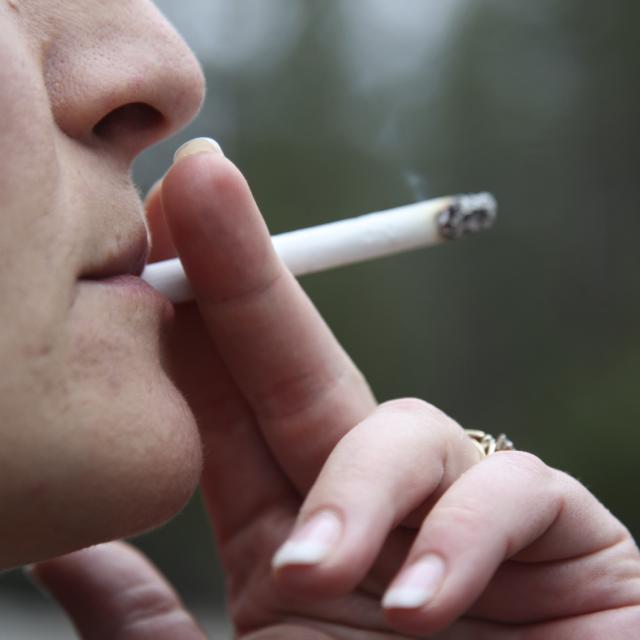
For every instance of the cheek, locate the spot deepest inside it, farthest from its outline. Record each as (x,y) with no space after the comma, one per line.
(32,281)
(28,166)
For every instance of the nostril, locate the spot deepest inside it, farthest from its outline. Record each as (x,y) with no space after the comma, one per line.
(136,124)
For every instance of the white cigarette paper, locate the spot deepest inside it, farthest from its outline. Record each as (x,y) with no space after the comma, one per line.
(365,237)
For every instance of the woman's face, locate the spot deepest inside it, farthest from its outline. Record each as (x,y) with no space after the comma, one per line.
(95,441)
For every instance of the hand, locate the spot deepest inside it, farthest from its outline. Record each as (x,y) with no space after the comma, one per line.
(501,548)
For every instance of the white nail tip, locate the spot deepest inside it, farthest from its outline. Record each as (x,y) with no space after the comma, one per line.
(312,543)
(416,585)
(197,145)
(304,553)
(405,598)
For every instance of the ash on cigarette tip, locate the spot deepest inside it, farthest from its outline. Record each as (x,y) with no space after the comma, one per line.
(468,214)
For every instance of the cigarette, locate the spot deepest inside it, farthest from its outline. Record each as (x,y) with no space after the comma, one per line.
(365,237)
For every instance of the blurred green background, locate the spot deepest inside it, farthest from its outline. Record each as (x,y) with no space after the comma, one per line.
(333,108)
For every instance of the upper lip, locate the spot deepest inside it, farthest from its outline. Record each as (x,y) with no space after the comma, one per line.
(128,259)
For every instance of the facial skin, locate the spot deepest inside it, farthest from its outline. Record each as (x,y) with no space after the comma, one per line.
(95,441)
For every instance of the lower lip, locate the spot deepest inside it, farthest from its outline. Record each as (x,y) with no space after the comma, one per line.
(133,287)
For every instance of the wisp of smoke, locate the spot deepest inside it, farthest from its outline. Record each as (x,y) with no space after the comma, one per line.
(417,184)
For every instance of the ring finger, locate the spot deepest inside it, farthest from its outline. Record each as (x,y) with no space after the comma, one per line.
(509,507)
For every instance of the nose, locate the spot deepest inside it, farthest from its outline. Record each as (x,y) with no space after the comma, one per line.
(124,78)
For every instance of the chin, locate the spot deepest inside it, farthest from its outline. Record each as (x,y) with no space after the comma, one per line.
(89,488)
(102,456)
(150,465)
(147,466)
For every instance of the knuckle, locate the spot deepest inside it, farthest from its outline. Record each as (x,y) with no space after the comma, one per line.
(525,463)
(527,469)
(406,405)
(463,516)
(143,600)
(418,409)
(150,604)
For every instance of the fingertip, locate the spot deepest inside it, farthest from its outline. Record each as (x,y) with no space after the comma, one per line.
(314,582)
(196,146)
(108,553)
(408,602)
(311,543)
(417,584)
(419,621)
(202,178)
(306,565)
(328,554)
(222,239)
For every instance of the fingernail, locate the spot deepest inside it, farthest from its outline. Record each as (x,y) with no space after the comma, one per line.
(311,543)
(416,585)
(197,145)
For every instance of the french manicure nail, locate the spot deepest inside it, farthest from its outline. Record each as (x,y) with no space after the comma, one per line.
(416,585)
(311,543)
(197,145)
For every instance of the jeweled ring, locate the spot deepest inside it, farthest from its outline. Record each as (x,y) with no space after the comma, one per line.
(487,444)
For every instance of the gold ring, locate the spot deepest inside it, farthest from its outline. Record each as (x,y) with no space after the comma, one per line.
(487,444)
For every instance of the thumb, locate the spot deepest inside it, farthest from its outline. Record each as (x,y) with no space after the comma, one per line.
(112,592)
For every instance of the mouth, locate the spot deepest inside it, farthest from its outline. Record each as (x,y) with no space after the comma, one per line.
(127,259)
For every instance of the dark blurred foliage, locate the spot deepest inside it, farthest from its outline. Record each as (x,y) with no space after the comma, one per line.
(533,328)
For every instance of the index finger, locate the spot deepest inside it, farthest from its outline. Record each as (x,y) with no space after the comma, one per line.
(304,389)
